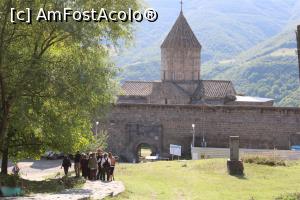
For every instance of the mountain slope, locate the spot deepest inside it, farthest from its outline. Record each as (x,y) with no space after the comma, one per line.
(224,27)
(267,70)
(250,42)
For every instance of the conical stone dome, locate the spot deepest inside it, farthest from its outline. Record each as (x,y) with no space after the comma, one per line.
(181,35)
(180,53)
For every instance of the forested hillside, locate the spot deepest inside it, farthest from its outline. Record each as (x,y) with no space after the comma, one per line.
(250,42)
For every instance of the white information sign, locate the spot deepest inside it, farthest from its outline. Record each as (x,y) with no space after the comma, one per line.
(175,150)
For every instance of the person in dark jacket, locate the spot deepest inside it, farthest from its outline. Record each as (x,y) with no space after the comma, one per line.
(66,164)
(77,163)
(89,155)
(93,165)
(84,166)
(105,163)
(100,174)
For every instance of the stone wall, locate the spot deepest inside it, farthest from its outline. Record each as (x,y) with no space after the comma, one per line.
(161,125)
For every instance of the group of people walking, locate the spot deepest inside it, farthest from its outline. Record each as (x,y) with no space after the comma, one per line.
(93,166)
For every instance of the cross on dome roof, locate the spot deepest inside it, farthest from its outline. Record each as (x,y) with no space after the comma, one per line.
(181,5)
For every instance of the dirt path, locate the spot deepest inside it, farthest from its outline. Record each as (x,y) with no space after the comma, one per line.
(40,170)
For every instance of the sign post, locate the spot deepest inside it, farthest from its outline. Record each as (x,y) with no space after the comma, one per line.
(175,150)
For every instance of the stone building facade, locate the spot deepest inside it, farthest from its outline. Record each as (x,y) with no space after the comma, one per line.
(160,113)
(131,125)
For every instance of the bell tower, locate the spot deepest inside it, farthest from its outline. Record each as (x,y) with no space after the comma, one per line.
(180,53)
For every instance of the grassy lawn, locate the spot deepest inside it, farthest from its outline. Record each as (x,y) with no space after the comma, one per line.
(207,180)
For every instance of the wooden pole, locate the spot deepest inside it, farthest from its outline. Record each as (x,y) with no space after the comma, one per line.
(298,46)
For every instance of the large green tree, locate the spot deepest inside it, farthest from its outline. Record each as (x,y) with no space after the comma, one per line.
(55,76)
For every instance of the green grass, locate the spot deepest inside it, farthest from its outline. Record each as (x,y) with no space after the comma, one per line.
(207,180)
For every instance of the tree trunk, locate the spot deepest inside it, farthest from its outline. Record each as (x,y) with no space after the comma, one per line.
(4,103)
(4,164)
(5,109)
(4,141)
(3,129)
(4,126)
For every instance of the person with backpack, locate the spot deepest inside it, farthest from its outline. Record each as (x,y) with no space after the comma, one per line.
(106,166)
(66,164)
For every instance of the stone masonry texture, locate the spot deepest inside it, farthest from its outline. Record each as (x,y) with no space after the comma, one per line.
(130,125)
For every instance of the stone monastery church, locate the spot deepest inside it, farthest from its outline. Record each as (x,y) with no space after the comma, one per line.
(181,81)
(159,113)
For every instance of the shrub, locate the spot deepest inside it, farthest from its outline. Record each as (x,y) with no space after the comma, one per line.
(10,180)
(71,182)
(45,186)
(264,160)
(294,196)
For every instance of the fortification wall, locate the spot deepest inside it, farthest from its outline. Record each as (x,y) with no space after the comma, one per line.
(161,125)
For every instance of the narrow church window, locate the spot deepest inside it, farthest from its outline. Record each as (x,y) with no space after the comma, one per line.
(173,75)
(164,75)
(166,101)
